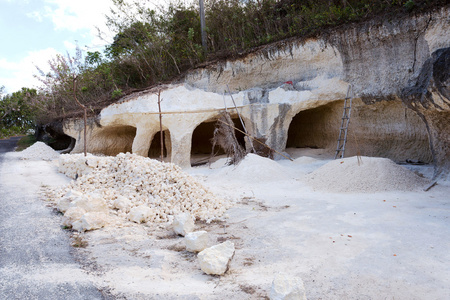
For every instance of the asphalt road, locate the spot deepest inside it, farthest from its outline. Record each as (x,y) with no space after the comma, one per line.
(36,259)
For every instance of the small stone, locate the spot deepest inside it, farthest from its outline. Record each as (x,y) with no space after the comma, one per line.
(90,221)
(183,224)
(286,287)
(140,214)
(196,241)
(216,259)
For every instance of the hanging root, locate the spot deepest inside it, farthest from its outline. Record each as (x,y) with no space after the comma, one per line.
(225,138)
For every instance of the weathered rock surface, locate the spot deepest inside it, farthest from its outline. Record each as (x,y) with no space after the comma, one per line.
(398,69)
(90,221)
(429,97)
(91,203)
(183,224)
(285,287)
(216,259)
(140,214)
(71,215)
(63,204)
(196,241)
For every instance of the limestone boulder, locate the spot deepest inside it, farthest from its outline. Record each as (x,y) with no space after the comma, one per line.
(91,203)
(64,203)
(196,241)
(216,259)
(286,287)
(90,221)
(183,224)
(71,215)
(140,214)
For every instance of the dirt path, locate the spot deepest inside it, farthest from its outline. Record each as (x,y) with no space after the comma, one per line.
(36,259)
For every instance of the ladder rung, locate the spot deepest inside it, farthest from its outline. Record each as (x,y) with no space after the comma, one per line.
(344,123)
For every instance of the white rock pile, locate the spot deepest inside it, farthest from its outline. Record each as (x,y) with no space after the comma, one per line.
(39,151)
(370,175)
(133,188)
(75,165)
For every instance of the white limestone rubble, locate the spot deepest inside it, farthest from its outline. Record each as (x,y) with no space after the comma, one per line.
(196,241)
(183,224)
(216,259)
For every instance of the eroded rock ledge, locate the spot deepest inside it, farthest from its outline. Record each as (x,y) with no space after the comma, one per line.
(291,94)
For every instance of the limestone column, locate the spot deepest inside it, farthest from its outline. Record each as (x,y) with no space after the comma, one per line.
(181,127)
(168,143)
(143,139)
(181,141)
(270,123)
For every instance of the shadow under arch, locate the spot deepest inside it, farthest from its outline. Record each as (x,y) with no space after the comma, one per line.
(155,147)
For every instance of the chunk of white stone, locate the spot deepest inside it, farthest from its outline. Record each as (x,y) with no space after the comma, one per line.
(71,215)
(183,224)
(286,287)
(91,203)
(122,203)
(90,221)
(196,241)
(216,259)
(140,214)
(64,203)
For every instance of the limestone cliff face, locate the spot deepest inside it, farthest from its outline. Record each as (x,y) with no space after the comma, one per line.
(290,94)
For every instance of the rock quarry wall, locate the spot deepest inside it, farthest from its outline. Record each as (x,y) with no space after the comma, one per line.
(399,71)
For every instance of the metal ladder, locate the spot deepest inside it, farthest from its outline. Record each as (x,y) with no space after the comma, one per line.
(342,140)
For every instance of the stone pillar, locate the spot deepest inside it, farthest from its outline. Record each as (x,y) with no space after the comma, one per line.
(269,123)
(168,143)
(181,141)
(181,128)
(143,139)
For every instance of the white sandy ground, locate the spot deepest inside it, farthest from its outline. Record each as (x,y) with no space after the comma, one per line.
(384,245)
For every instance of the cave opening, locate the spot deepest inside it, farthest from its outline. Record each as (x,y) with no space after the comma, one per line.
(155,147)
(383,129)
(201,149)
(314,128)
(113,140)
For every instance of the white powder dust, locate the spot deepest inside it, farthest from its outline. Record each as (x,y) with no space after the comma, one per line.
(372,175)
(39,150)
(256,169)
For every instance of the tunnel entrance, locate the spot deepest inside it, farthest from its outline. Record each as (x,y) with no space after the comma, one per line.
(201,148)
(114,140)
(383,129)
(314,128)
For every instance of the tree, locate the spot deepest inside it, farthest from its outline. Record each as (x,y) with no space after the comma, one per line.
(16,112)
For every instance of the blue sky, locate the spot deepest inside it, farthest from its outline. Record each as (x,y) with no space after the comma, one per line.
(34,31)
